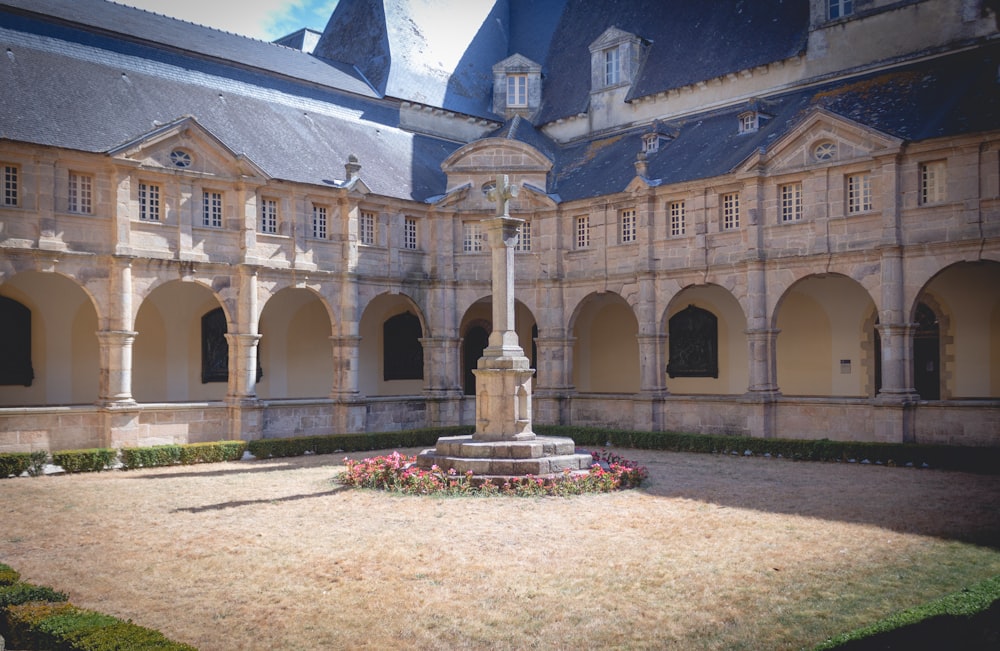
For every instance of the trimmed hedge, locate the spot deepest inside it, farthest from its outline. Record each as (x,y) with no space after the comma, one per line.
(297,446)
(190,453)
(975,459)
(16,463)
(38,617)
(91,460)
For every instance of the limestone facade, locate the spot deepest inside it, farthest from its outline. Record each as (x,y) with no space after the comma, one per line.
(815,262)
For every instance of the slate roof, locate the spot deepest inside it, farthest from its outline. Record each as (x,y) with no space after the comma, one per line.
(72,87)
(80,86)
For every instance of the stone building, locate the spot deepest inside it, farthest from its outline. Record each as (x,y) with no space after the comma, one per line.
(777,218)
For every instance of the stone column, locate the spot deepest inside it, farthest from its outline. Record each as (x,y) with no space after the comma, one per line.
(116,367)
(346,355)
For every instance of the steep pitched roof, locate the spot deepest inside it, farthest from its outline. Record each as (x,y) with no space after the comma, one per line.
(71,86)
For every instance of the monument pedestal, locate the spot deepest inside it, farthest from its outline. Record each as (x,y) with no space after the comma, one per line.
(504,445)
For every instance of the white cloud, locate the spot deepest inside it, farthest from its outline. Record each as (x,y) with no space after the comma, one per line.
(261,19)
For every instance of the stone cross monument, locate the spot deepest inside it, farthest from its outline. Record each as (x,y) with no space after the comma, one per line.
(504,444)
(503,374)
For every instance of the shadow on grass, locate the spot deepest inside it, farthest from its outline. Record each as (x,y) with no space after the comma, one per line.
(274,500)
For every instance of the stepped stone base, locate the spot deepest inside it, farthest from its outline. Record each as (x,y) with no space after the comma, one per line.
(542,455)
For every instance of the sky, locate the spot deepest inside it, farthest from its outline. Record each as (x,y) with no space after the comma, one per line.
(261,19)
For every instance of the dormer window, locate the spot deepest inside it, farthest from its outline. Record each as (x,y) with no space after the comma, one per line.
(651,143)
(612,67)
(614,59)
(517,90)
(839,8)
(517,87)
(749,121)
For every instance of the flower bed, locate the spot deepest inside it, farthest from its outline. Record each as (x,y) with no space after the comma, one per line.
(399,473)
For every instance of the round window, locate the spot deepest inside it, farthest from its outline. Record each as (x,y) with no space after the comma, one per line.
(180,158)
(825,150)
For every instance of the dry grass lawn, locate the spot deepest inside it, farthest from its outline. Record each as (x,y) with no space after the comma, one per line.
(714,552)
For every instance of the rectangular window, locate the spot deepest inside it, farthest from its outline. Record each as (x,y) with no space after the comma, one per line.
(611,67)
(627,228)
(149,202)
(932,182)
(472,237)
(748,122)
(582,228)
(319,222)
(81,193)
(409,233)
(524,237)
(791,202)
(676,210)
(211,209)
(268,215)
(10,185)
(839,8)
(859,193)
(731,211)
(366,228)
(517,90)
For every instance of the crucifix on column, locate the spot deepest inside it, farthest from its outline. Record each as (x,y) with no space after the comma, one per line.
(503,374)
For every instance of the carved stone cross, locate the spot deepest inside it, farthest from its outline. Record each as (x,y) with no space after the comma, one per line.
(502,193)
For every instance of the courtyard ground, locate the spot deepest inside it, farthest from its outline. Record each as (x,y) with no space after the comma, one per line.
(713,552)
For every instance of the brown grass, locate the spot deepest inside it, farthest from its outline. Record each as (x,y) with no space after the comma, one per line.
(713,553)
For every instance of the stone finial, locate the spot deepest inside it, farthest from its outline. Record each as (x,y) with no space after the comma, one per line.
(352,167)
(640,164)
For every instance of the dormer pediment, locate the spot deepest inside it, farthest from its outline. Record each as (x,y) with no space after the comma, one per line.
(184,145)
(612,36)
(822,138)
(517,63)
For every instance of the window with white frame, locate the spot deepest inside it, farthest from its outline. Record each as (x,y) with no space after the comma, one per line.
(626,226)
(81,193)
(472,237)
(676,211)
(524,237)
(11,184)
(319,222)
(517,89)
(612,66)
(149,202)
(582,229)
(791,201)
(859,193)
(409,233)
(366,228)
(211,209)
(839,8)
(268,215)
(932,182)
(730,211)
(748,122)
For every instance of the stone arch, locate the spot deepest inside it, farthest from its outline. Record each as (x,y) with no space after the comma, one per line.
(372,380)
(167,353)
(295,354)
(65,352)
(825,345)
(605,348)
(732,374)
(965,299)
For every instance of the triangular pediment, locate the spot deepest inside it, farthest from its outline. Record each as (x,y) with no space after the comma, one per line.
(612,36)
(821,138)
(184,145)
(517,63)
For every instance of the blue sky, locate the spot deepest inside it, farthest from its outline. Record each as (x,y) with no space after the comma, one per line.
(262,19)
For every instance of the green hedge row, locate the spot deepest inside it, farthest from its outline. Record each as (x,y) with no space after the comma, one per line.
(38,617)
(16,463)
(98,459)
(969,618)
(976,459)
(297,446)
(191,453)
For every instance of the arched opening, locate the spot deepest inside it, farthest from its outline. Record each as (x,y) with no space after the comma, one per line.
(927,354)
(706,345)
(295,352)
(391,352)
(606,348)
(474,342)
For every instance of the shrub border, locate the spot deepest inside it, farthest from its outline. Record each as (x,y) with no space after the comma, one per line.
(99,459)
